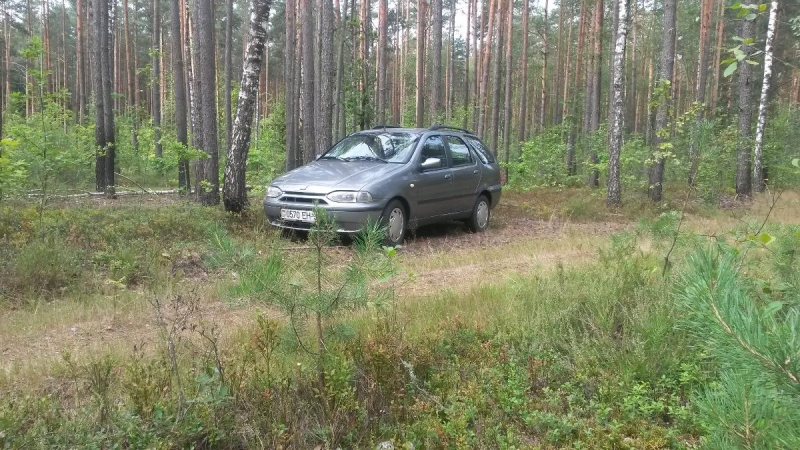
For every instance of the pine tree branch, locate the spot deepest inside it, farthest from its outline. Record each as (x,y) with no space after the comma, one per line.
(749,349)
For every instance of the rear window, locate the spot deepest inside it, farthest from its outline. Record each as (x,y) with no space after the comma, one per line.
(483,153)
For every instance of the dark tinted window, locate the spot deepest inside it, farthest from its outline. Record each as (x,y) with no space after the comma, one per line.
(459,151)
(434,148)
(483,153)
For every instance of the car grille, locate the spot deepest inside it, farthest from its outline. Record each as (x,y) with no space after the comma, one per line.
(303,199)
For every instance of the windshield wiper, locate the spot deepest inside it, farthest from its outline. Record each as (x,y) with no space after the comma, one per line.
(364,158)
(334,157)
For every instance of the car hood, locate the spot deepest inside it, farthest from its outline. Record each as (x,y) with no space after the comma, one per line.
(325,176)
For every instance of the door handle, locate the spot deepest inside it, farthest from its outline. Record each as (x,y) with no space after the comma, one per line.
(476,171)
(448,176)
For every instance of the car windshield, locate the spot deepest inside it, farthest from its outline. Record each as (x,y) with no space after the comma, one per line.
(382,147)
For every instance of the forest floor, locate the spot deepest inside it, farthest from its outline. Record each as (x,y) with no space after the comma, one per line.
(530,233)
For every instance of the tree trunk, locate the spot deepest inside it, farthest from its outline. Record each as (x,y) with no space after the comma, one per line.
(545,92)
(420,108)
(612,44)
(435,78)
(98,9)
(484,85)
(665,72)
(509,67)
(594,110)
(46,39)
(467,82)
(156,89)
(700,89)
(448,96)
(558,79)
(758,164)
(207,102)
(290,81)
(326,77)
(383,29)
(234,192)
(180,92)
(228,73)
(523,96)
(572,168)
(80,65)
(495,143)
(106,63)
(614,195)
(129,56)
(307,95)
(717,55)
(104,112)
(744,187)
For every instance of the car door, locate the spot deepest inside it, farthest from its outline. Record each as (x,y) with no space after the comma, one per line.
(466,173)
(434,187)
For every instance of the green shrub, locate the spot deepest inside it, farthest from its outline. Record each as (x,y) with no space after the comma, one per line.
(45,268)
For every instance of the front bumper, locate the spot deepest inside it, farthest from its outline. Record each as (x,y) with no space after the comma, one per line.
(349,219)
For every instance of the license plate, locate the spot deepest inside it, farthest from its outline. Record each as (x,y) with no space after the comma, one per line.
(298,215)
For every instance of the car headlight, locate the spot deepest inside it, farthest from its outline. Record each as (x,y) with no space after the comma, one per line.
(350,197)
(274,192)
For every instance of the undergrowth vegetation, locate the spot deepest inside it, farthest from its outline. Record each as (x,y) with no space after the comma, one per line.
(625,351)
(542,161)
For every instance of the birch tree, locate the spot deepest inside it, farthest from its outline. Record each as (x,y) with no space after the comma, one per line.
(234,193)
(758,163)
(614,194)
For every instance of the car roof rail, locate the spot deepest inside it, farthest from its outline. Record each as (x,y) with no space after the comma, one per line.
(383,127)
(447,127)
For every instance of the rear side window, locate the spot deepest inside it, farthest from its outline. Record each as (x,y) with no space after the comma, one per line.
(459,151)
(483,153)
(434,148)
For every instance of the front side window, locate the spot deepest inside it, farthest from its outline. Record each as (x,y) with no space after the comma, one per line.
(459,151)
(434,148)
(386,147)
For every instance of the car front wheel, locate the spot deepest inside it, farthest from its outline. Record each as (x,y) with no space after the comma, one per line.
(394,221)
(480,215)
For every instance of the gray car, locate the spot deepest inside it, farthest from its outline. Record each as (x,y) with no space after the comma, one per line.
(403,177)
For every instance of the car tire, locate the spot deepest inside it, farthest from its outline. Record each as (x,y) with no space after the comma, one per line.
(395,220)
(481,213)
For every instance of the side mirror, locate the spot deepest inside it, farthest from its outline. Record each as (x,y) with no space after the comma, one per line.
(431,163)
(319,155)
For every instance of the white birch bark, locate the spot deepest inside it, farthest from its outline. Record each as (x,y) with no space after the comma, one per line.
(234,192)
(758,163)
(614,195)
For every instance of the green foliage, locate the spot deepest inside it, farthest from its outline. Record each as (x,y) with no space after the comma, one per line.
(753,339)
(542,162)
(267,156)
(44,268)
